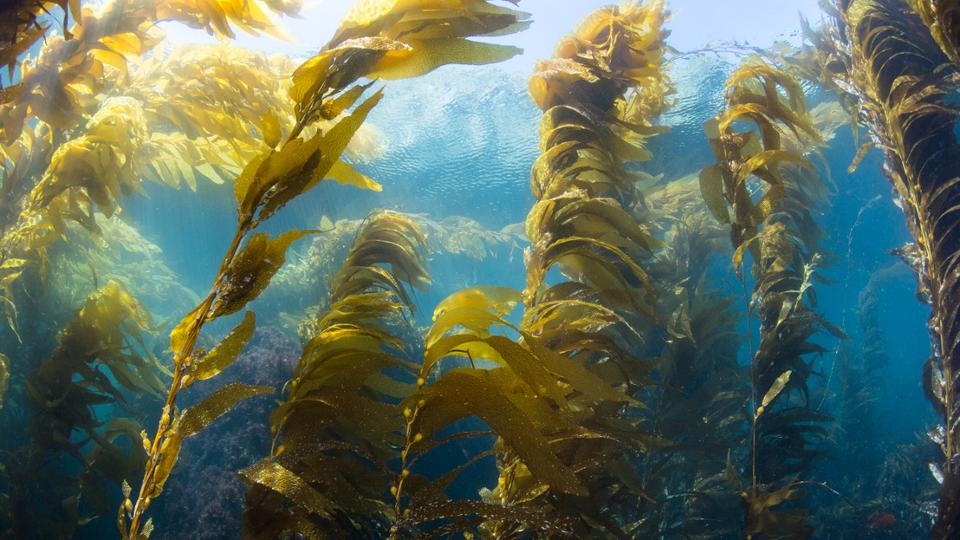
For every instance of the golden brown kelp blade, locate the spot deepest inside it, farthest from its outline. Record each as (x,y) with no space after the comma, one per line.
(338,433)
(528,396)
(97,362)
(942,17)
(884,57)
(776,226)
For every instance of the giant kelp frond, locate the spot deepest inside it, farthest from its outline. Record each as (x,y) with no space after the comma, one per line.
(337,434)
(98,361)
(396,39)
(697,401)
(51,87)
(768,192)
(901,79)
(534,400)
(942,17)
(600,96)
(22,25)
(291,164)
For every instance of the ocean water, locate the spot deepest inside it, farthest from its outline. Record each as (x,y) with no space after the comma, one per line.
(453,150)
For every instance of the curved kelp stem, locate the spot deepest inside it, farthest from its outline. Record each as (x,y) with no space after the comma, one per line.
(883,58)
(776,227)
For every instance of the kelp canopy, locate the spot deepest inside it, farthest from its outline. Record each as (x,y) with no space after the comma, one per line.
(671,340)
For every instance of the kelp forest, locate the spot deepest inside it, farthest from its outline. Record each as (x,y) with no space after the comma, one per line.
(392,289)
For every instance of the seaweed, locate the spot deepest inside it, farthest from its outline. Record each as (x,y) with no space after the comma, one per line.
(774,223)
(98,361)
(889,64)
(323,88)
(94,143)
(337,433)
(600,95)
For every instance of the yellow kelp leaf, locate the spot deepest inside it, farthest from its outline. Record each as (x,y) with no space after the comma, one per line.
(344,173)
(270,129)
(277,478)
(575,373)
(770,160)
(501,300)
(461,393)
(295,172)
(4,377)
(251,270)
(226,351)
(179,334)
(337,68)
(711,186)
(429,55)
(126,43)
(170,445)
(197,418)
(774,390)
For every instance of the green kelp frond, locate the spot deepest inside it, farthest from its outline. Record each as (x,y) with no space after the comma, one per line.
(884,57)
(337,435)
(98,361)
(768,193)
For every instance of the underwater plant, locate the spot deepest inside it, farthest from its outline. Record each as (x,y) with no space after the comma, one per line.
(881,54)
(95,142)
(777,228)
(366,45)
(337,435)
(600,96)
(99,360)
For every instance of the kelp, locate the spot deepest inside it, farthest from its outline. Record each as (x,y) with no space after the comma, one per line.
(336,436)
(600,96)
(698,391)
(942,17)
(95,141)
(886,61)
(774,223)
(99,361)
(291,165)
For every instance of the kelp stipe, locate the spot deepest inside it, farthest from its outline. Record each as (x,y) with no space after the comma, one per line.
(884,58)
(777,228)
(374,40)
(600,96)
(339,433)
(98,360)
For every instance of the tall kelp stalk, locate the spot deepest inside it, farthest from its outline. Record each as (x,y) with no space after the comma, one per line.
(337,436)
(767,190)
(77,135)
(697,399)
(881,54)
(98,360)
(375,40)
(600,95)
